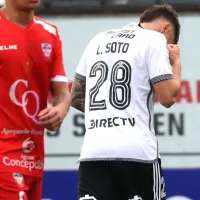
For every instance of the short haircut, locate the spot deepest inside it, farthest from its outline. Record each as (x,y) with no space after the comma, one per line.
(166,11)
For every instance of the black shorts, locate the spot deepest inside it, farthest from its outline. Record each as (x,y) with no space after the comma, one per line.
(120,180)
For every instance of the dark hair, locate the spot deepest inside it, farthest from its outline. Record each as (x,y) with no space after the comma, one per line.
(166,11)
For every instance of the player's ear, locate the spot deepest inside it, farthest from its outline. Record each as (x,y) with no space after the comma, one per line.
(165,28)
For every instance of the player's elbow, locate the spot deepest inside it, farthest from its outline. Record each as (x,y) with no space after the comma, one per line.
(167,102)
(166,92)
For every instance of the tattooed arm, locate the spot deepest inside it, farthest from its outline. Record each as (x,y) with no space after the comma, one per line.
(78,94)
(61,95)
(52,118)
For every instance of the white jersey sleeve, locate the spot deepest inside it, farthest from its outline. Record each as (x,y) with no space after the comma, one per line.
(158,62)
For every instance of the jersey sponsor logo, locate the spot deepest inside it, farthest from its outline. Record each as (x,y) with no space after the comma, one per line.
(25,161)
(87,197)
(30,165)
(47,49)
(22,131)
(111,122)
(24,101)
(19,178)
(28,145)
(8,47)
(128,34)
(26,157)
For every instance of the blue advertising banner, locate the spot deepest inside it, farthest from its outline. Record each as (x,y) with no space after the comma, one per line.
(181,184)
(60,185)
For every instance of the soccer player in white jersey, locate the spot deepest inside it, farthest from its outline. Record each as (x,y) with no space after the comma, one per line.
(114,86)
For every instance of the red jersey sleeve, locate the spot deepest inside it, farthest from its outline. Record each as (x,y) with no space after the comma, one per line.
(58,70)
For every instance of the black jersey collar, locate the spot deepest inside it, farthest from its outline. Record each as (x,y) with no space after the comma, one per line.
(140,25)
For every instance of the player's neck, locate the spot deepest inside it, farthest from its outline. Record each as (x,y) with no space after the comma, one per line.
(18,17)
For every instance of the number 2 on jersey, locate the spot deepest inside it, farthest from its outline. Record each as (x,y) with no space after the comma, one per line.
(120,80)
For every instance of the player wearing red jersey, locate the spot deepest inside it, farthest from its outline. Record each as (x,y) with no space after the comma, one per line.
(31,65)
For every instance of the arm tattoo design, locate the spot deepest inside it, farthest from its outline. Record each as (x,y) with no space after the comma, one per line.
(78,95)
(61,98)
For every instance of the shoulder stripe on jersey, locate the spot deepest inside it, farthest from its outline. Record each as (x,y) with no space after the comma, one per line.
(161,78)
(59,78)
(81,77)
(46,26)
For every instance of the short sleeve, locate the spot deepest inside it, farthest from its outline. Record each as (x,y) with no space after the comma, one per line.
(158,62)
(58,70)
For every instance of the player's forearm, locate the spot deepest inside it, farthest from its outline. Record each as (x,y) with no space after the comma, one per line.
(78,95)
(61,95)
(62,99)
(176,70)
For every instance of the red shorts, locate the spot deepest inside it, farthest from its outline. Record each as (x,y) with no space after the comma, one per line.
(14,186)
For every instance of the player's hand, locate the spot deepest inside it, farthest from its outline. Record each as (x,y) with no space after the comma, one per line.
(174,53)
(52,118)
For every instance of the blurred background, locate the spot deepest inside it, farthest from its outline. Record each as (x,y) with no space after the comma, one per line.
(177,128)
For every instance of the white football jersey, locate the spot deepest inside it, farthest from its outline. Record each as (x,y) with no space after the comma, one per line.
(119,67)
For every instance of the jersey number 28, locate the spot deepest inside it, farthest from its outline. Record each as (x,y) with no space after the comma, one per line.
(120,79)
